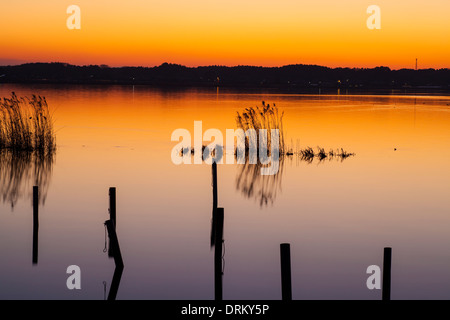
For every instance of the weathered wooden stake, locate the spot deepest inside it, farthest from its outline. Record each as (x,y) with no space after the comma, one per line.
(114,243)
(112,205)
(285,256)
(219,217)
(214,208)
(214,181)
(112,217)
(387,258)
(35,223)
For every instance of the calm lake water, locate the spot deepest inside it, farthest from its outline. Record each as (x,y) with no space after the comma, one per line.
(337,215)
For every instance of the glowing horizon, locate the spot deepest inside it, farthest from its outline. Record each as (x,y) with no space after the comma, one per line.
(204,33)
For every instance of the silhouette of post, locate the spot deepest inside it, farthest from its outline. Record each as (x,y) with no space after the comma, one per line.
(214,181)
(219,217)
(285,256)
(35,223)
(112,217)
(115,283)
(112,205)
(114,243)
(214,208)
(386,290)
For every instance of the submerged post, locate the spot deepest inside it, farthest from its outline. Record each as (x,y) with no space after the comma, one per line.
(387,258)
(285,256)
(35,223)
(112,205)
(114,243)
(219,217)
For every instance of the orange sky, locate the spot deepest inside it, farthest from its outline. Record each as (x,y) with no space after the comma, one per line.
(232,32)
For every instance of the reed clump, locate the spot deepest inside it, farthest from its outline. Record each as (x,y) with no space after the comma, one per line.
(309,155)
(265,116)
(26,125)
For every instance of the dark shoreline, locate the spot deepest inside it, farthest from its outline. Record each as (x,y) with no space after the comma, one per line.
(302,79)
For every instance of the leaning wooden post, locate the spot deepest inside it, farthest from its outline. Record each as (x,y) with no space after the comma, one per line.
(218,292)
(112,205)
(285,256)
(35,223)
(387,258)
(114,243)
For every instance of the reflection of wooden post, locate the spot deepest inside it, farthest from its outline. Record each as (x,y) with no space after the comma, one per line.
(35,223)
(219,217)
(115,283)
(114,243)
(112,205)
(285,256)
(387,257)
(214,183)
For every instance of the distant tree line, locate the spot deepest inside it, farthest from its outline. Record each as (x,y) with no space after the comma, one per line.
(288,77)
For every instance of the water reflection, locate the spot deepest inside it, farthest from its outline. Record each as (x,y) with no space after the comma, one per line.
(116,254)
(264,188)
(19,171)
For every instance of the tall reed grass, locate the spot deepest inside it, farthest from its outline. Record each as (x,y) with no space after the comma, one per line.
(26,125)
(265,116)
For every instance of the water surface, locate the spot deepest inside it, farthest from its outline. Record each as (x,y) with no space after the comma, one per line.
(337,215)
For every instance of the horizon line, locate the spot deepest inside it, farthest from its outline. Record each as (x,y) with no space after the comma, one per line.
(206,66)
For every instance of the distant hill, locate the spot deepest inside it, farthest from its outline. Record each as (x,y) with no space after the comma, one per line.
(288,77)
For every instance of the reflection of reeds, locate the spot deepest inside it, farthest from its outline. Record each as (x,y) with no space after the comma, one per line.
(252,184)
(26,124)
(19,171)
(249,179)
(27,147)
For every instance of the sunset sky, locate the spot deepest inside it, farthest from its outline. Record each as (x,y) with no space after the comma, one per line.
(233,32)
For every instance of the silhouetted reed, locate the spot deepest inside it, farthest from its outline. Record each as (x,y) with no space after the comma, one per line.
(27,147)
(26,124)
(262,117)
(309,155)
(249,180)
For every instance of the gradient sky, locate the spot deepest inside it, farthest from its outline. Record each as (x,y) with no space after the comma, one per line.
(233,32)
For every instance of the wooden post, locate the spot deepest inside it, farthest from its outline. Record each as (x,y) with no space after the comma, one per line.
(35,223)
(214,182)
(112,205)
(218,292)
(114,243)
(214,208)
(387,258)
(112,217)
(285,257)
